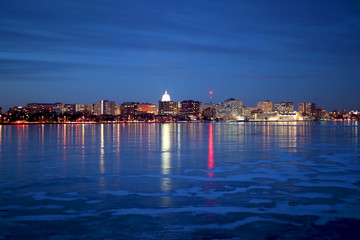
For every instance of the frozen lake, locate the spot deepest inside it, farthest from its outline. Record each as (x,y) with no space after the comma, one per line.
(291,180)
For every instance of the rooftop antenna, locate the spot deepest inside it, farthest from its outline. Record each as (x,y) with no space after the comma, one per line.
(210,94)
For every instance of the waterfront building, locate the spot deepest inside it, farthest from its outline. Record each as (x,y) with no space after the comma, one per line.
(117,109)
(79,107)
(265,106)
(273,116)
(33,108)
(104,107)
(69,108)
(230,109)
(190,108)
(109,108)
(128,110)
(97,108)
(208,111)
(206,105)
(284,107)
(320,113)
(146,108)
(59,109)
(168,107)
(86,109)
(290,116)
(249,112)
(307,108)
(89,109)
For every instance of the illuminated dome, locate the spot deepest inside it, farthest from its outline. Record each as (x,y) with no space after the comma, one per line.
(166,97)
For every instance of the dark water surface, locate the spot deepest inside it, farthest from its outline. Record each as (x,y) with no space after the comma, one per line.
(293,180)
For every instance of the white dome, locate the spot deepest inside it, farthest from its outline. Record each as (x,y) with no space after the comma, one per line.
(166,97)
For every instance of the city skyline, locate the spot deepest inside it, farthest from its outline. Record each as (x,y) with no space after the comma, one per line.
(209,101)
(84,51)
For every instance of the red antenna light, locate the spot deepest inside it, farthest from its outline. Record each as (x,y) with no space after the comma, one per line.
(210,92)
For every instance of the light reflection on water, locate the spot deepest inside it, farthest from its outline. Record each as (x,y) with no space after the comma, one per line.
(165,148)
(192,180)
(211,151)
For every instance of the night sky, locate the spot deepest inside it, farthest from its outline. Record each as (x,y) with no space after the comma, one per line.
(85,51)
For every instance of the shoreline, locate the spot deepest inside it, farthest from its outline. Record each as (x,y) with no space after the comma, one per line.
(150,122)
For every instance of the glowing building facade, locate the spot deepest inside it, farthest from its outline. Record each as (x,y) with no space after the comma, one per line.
(168,107)
(190,107)
(230,109)
(284,107)
(307,108)
(265,106)
(104,107)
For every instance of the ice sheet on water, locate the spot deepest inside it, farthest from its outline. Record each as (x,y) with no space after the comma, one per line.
(116,192)
(230,178)
(43,218)
(329,184)
(53,167)
(214,170)
(260,176)
(44,196)
(259,201)
(229,226)
(94,201)
(187,192)
(72,193)
(307,194)
(325,212)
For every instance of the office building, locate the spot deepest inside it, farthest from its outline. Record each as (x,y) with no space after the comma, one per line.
(168,107)
(307,108)
(104,107)
(146,108)
(128,110)
(284,107)
(230,109)
(190,107)
(265,106)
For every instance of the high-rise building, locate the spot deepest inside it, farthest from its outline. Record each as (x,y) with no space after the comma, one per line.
(265,106)
(230,109)
(89,109)
(86,109)
(104,107)
(284,107)
(307,108)
(168,107)
(128,110)
(118,109)
(190,107)
(79,107)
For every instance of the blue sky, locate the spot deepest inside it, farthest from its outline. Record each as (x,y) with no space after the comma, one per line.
(85,51)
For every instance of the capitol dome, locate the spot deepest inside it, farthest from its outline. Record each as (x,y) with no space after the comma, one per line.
(166,97)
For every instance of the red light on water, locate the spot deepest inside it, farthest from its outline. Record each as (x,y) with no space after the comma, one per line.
(211,152)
